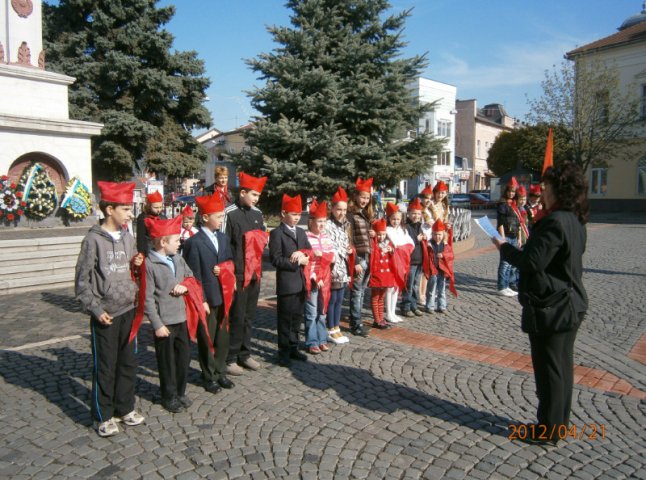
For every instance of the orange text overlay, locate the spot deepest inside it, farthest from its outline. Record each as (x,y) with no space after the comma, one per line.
(587,431)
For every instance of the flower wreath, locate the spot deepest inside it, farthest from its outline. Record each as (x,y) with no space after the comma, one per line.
(39,192)
(11,203)
(77,203)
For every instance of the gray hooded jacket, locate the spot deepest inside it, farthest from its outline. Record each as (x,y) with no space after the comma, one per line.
(103,281)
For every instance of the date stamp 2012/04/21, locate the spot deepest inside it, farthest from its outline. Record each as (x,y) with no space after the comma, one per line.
(587,431)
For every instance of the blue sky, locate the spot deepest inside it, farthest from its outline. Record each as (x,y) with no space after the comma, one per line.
(495,51)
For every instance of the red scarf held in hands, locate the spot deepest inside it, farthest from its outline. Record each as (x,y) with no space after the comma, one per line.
(228,285)
(195,312)
(401,264)
(325,274)
(445,266)
(140,272)
(254,244)
(352,258)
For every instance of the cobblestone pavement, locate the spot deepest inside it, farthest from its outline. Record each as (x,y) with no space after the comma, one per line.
(430,399)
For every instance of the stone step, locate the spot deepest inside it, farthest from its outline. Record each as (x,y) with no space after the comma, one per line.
(15,255)
(40,270)
(39,244)
(17,285)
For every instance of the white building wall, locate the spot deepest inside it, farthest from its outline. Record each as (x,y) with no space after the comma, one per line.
(20,30)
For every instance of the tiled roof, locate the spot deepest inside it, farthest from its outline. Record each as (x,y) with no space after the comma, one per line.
(636,33)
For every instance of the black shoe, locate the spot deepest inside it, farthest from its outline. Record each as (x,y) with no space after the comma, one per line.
(173,405)
(296,355)
(284,360)
(224,382)
(185,401)
(212,387)
(381,326)
(358,331)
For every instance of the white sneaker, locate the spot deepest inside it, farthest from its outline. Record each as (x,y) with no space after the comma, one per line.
(397,319)
(107,428)
(506,292)
(132,419)
(343,339)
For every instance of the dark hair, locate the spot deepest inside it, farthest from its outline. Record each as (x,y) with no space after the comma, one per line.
(505,190)
(103,205)
(570,188)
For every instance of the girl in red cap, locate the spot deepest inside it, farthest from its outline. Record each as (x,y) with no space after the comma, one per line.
(188,226)
(316,305)
(360,217)
(519,210)
(441,268)
(381,273)
(403,244)
(338,228)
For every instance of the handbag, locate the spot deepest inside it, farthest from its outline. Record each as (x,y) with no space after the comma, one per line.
(552,314)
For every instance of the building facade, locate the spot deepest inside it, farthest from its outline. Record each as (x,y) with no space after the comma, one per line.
(475,132)
(221,146)
(440,121)
(620,183)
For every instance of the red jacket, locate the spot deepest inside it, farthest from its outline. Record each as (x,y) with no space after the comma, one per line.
(445,265)
(381,266)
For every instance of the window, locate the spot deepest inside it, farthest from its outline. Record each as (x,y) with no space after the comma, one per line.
(603,106)
(642,106)
(598,181)
(478,148)
(445,158)
(428,125)
(443,128)
(641,177)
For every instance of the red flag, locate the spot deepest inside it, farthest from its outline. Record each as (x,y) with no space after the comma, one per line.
(141,296)
(227,284)
(254,244)
(195,312)
(401,264)
(549,152)
(307,270)
(352,258)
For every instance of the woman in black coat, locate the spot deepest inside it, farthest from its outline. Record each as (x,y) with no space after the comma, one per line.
(551,268)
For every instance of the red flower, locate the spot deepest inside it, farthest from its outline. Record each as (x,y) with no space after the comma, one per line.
(19,212)
(13,186)
(1,212)
(3,178)
(10,217)
(19,194)
(23,204)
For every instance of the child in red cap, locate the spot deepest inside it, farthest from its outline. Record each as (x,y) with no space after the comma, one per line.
(166,310)
(105,288)
(403,245)
(441,268)
(153,208)
(188,226)
(289,251)
(381,272)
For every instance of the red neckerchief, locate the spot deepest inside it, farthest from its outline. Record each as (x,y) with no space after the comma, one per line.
(195,312)
(254,244)
(228,285)
(140,272)
(224,193)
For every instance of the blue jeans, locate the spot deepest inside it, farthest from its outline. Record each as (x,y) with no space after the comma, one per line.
(436,292)
(507,275)
(315,330)
(335,306)
(410,296)
(359,284)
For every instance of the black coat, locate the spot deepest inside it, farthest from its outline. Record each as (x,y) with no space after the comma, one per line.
(289,276)
(552,258)
(144,243)
(239,220)
(200,255)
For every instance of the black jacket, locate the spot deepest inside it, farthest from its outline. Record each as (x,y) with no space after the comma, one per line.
(552,258)
(414,229)
(289,276)
(200,255)
(239,220)
(144,243)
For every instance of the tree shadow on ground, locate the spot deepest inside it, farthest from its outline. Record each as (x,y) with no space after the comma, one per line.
(360,387)
(612,272)
(64,301)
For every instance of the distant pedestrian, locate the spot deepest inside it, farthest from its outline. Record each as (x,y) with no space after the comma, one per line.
(509,229)
(153,208)
(104,286)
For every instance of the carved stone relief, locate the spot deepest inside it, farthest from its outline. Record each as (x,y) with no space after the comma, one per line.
(24,54)
(41,59)
(22,7)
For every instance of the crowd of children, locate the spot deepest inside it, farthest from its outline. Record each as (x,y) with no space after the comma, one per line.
(203,283)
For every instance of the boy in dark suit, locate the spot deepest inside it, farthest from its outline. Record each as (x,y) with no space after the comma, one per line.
(245,228)
(204,252)
(286,250)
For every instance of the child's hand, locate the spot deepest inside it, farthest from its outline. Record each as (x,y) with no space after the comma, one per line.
(179,290)
(216,271)
(372,233)
(421,237)
(358,269)
(318,253)
(304,260)
(296,257)
(439,255)
(320,284)
(207,309)
(162,332)
(138,259)
(105,318)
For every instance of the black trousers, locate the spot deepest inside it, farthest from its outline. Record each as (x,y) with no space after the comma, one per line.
(114,367)
(553,362)
(173,357)
(213,365)
(290,318)
(242,316)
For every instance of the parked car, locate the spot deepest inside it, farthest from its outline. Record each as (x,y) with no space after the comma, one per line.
(459,200)
(480,200)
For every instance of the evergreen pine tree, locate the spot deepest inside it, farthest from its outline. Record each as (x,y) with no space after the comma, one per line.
(336,103)
(127,78)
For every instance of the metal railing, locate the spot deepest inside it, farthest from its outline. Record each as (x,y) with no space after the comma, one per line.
(460,218)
